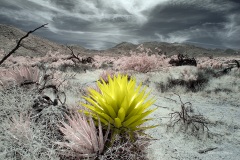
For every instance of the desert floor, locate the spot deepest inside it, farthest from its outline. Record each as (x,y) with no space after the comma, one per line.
(222,109)
(217,106)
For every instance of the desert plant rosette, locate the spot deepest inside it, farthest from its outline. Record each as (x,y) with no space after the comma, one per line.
(121,103)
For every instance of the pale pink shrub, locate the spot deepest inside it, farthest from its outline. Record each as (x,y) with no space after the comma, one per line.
(82,136)
(99,60)
(104,75)
(141,62)
(142,49)
(19,75)
(53,57)
(215,63)
(16,61)
(60,63)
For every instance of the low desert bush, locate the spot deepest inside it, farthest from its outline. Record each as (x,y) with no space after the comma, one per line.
(103,61)
(104,75)
(80,68)
(190,78)
(141,62)
(226,83)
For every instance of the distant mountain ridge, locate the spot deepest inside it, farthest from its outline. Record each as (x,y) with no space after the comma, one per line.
(174,48)
(37,46)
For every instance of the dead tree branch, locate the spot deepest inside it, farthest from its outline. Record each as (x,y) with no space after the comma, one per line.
(19,43)
(75,58)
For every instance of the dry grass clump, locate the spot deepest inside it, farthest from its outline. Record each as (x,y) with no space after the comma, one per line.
(226,83)
(19,127)
(15,100)
(124,149)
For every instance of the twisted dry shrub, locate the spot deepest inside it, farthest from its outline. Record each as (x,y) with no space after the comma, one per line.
(120,102)
(141,62)
(194,123)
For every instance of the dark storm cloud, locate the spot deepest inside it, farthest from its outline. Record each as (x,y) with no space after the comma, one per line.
(181,23)
(100,24)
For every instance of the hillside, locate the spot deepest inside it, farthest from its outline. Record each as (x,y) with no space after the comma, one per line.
(37,46)
(174,48)
(32,45)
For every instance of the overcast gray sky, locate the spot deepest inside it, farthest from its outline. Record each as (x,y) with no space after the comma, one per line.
(100,24)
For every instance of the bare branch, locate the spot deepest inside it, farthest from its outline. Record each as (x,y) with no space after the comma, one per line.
(19,43)
(73,56)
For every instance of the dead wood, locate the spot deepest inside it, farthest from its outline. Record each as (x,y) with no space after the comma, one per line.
(186,118)
(183,60)
(76,59)
(206,150)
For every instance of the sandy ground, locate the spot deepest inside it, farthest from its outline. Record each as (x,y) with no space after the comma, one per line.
(222,110)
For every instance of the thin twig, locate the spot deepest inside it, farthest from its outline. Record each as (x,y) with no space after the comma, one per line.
(207,150)
(160,106)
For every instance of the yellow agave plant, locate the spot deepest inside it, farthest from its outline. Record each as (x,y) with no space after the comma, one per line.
(120,102)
